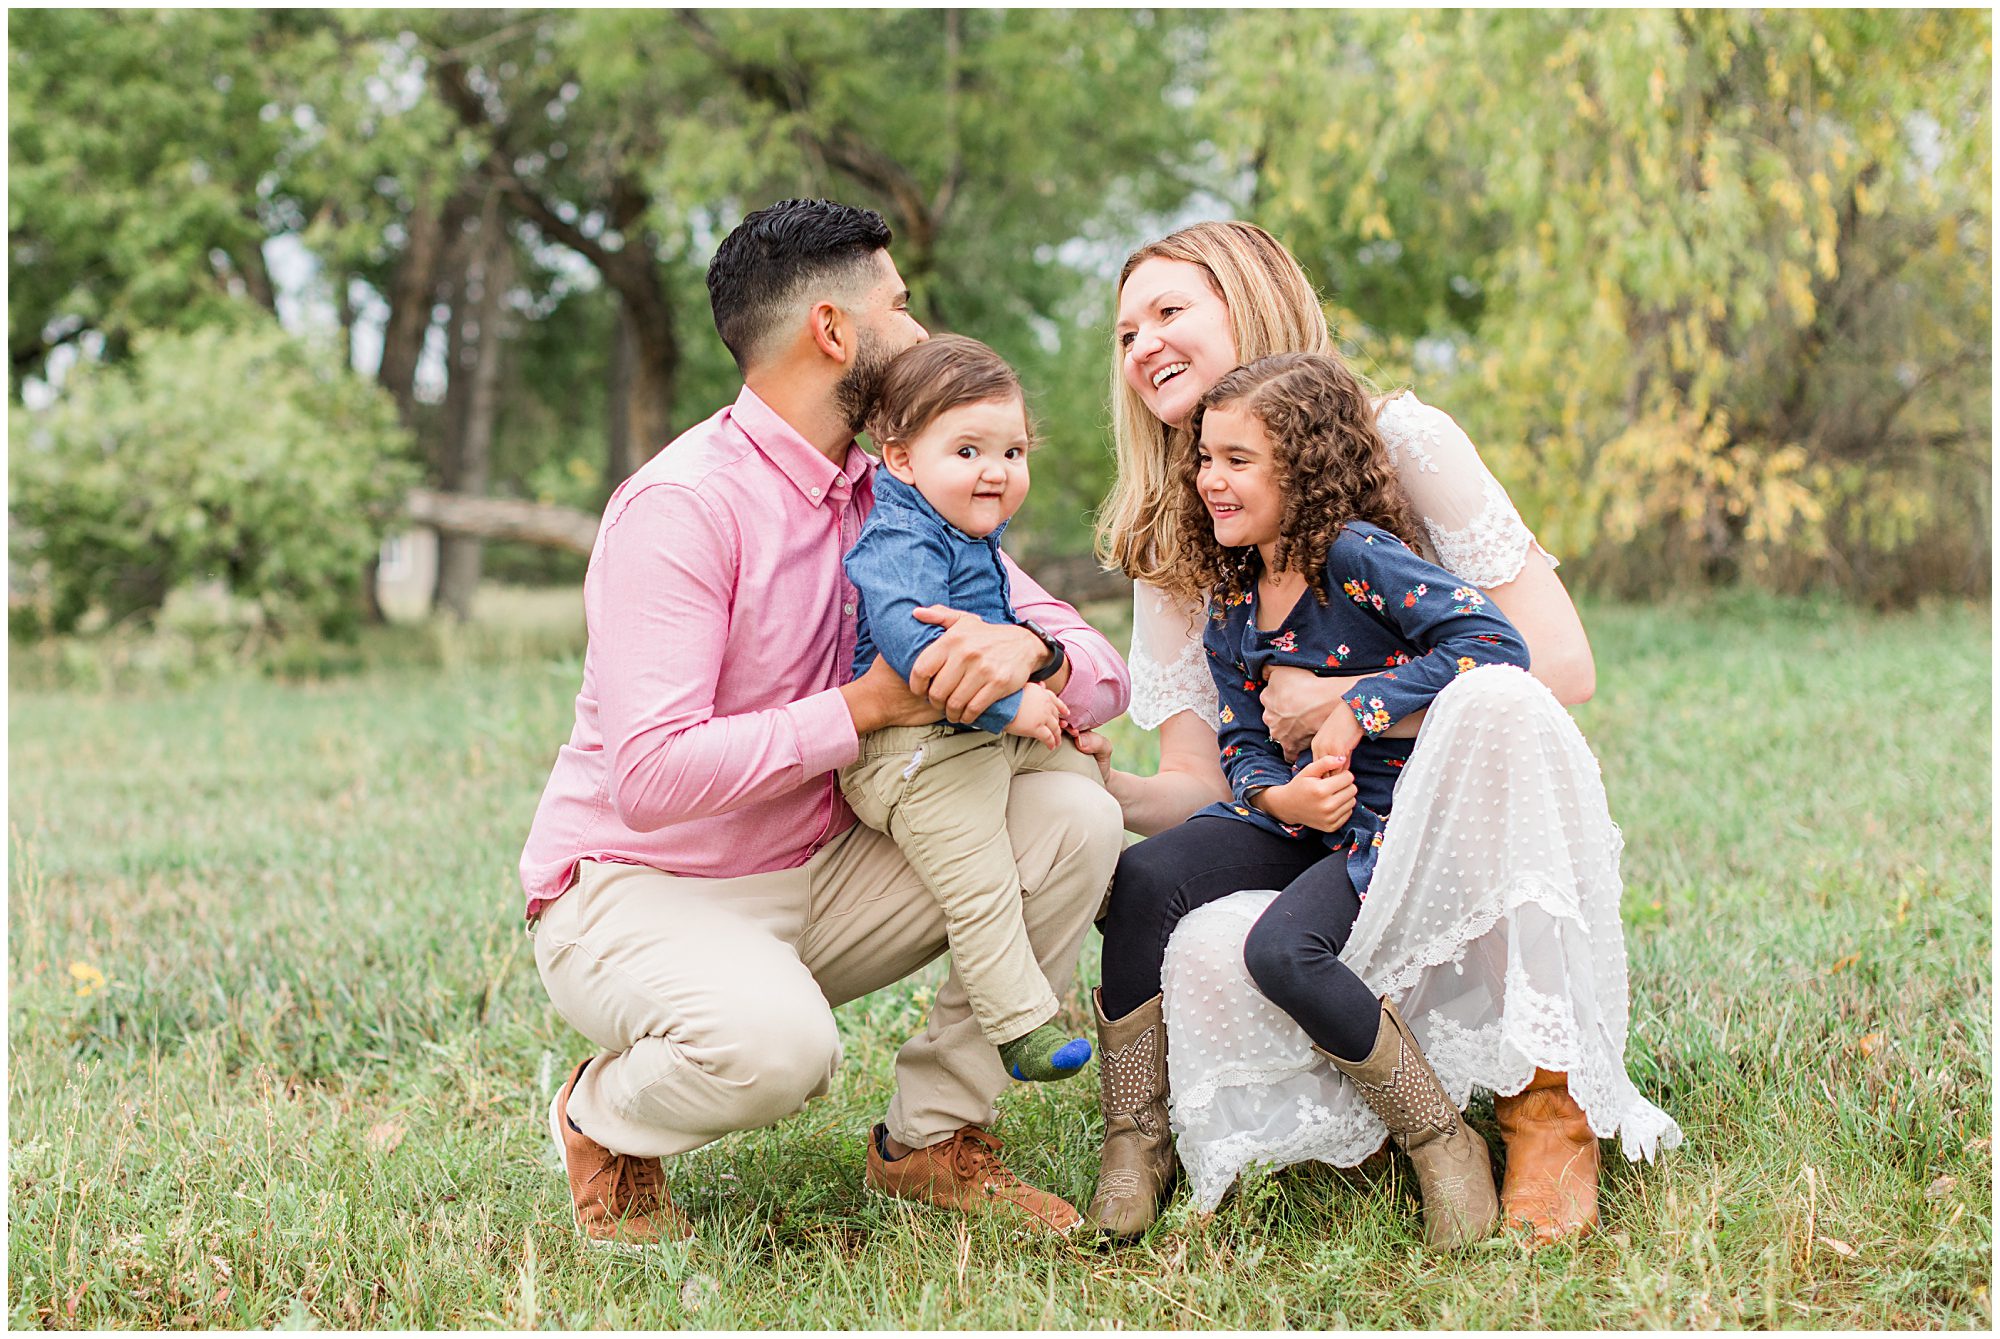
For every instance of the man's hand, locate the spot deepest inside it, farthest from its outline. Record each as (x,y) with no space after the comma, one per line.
(1041,716)
(974,664)
(1098,747)
(1338,736)
(880,698)
(1320,797)
(1296,703)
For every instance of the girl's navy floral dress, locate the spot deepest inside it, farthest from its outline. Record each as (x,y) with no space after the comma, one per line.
(1407,624)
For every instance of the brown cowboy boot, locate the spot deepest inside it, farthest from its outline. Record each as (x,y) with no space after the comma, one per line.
(1551,1182)
(1454,1170)
(620,1199)
(964,1172)
(1136,1170)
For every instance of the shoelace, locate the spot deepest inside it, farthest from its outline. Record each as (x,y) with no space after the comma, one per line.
(634,1185)
(975,1153)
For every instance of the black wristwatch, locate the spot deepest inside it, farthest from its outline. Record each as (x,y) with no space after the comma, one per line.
(1057,657)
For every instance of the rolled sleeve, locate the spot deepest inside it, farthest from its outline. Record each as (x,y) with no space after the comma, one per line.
(825,731)
(1099,687)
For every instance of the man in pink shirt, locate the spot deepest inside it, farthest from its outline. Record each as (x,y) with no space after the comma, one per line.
(700,895)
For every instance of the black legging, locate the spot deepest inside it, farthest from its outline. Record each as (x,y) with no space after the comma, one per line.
(1293,952)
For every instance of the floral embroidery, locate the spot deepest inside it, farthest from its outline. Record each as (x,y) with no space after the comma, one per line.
(1465,663)
(1373,716)
(1397,658)
(1469,600)
(1232,750)
(1227,715)
(1288,642)
(1359,592)
(1415,593)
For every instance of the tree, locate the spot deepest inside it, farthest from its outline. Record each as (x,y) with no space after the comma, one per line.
(1714,285)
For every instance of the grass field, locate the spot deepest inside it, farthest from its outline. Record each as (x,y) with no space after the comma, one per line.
(279,1055)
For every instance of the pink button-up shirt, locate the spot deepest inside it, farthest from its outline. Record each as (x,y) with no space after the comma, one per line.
(710,725)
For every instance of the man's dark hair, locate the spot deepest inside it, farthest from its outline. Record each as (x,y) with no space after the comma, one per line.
(760,267)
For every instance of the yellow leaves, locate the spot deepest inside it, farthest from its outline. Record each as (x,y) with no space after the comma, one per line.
(1795,287)
(1656,86)
(1866,198)
(1376,226)
(1825,257)
(88,979)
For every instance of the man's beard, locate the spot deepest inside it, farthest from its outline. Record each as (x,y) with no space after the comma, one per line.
(857,390)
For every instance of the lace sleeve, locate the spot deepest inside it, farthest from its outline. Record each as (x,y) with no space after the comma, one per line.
(1169,674)
(1474,531)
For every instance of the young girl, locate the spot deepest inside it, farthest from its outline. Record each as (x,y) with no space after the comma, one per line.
(1292,510)
(952,428)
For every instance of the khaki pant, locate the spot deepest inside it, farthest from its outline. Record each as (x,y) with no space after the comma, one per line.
(942,794)
(712,1000)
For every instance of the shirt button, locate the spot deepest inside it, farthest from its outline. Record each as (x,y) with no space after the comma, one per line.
(847,609)
(815,492)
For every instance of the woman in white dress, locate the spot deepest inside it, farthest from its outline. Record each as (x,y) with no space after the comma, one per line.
(1492,919)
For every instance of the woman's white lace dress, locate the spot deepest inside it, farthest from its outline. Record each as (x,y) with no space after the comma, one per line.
(1492,919)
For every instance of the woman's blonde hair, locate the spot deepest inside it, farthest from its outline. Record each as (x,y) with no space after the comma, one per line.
(1273,308)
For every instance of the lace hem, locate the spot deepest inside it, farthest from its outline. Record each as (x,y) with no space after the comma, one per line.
(1491,549)
(1163,691)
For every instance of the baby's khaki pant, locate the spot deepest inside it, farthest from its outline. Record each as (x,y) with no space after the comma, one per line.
(711,1000)
(942,794)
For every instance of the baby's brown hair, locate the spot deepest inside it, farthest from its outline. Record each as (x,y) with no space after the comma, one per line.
(1332,467)
(940,374)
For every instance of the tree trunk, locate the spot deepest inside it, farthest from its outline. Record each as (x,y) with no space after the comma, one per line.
(618,458)
(645,322)
(412,295)
(466,465)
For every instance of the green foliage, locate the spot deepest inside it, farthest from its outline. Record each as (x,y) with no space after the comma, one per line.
(232,453)
(1711,287)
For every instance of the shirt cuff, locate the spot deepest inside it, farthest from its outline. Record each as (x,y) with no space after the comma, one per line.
(825,731)
(1378,703)
(1093,694)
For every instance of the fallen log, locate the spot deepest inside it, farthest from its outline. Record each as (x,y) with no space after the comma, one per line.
(1075,578)
(547,525)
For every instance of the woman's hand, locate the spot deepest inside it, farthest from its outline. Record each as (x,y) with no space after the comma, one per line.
(1097,747)
(1296,703)
(1320,797)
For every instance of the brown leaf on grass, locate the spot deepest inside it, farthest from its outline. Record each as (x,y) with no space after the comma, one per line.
(1870,1044)
(383,1136)
(1844,963)
(1839,1248)
(1979,1146)
(1940,1188)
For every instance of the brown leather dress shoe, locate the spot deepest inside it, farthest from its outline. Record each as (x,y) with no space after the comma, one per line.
(621,1199)
(964,1172)
(1550,1187)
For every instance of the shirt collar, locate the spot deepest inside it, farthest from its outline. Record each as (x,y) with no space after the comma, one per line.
(796,458)
(894,493)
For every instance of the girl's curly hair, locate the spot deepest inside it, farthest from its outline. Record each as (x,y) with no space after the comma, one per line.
(1331,467)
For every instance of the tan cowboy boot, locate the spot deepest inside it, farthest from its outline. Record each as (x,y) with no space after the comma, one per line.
(1454,1170)
(1136,1170)
(1551,1182)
